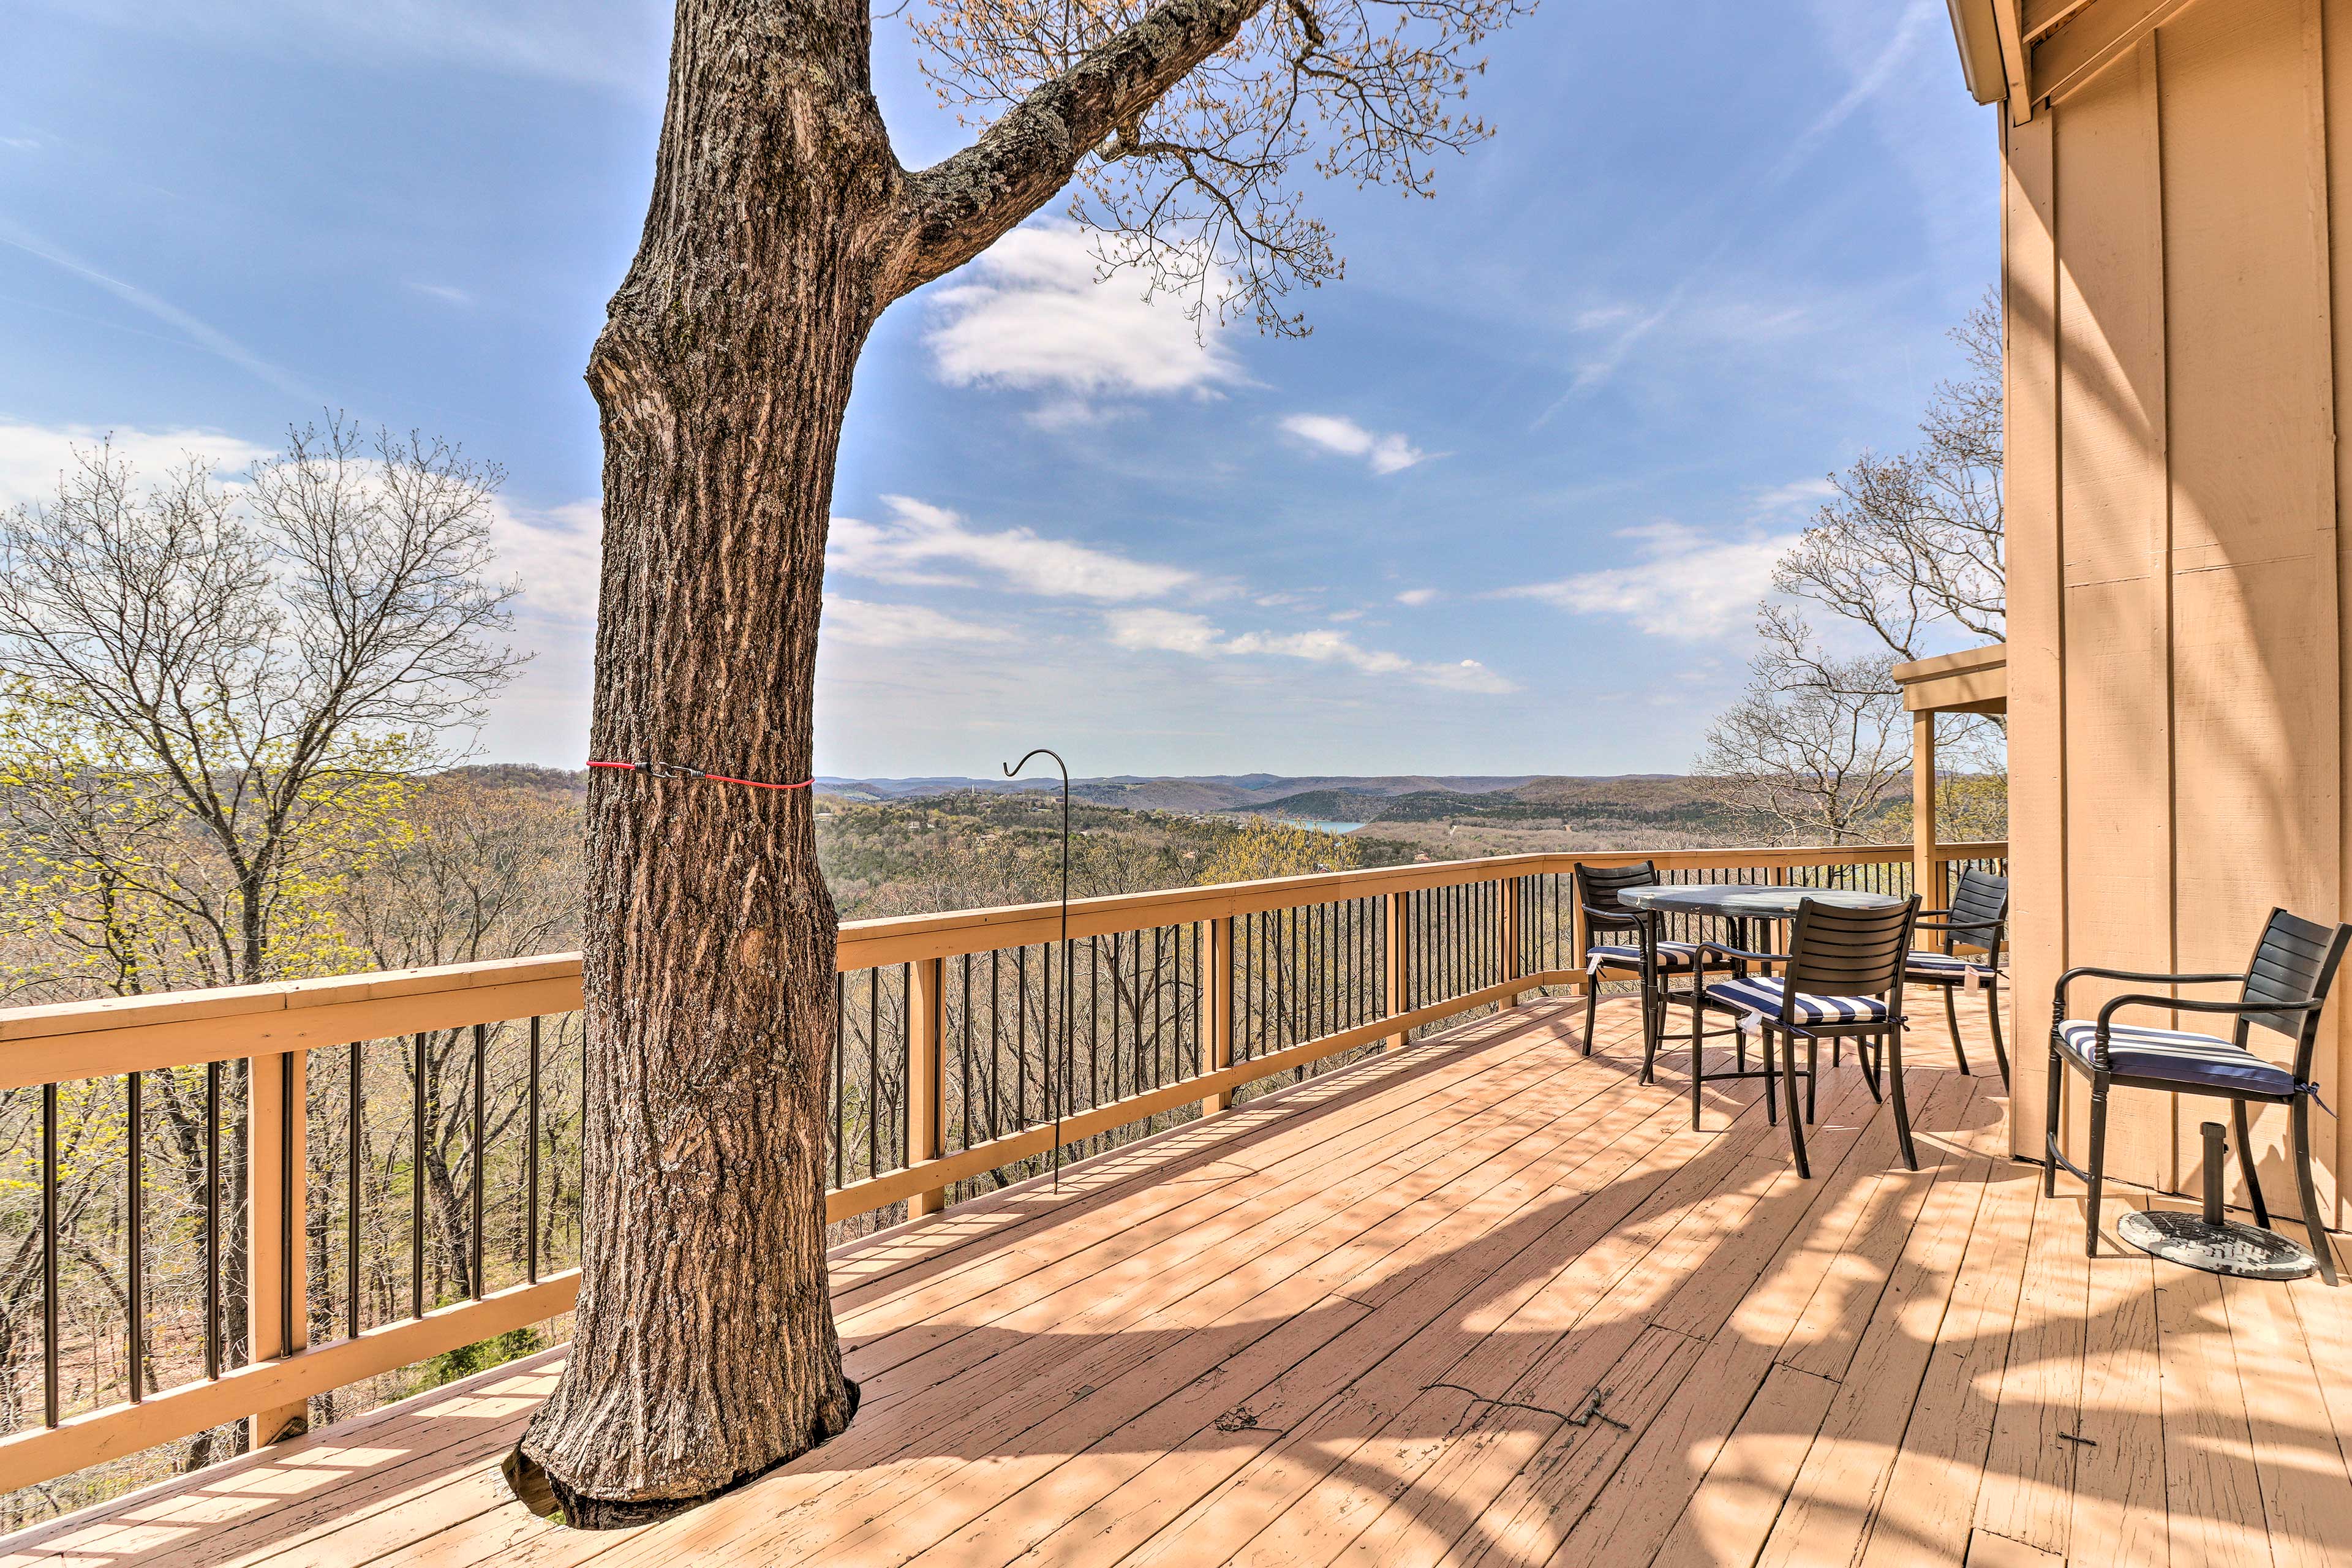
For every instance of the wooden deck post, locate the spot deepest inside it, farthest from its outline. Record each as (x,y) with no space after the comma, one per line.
(1927,871)
(1578,937)
(1399,911)
(276,1182)
(1220,1009)
(1507,890)
(925,1088)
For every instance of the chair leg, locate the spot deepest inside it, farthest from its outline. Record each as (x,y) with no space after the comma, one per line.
(1893,1066)
(1591,1007)
(1789,1081)
(2098,1159)
(1952,1017)
(1653,1021)
(1870,1068)
(1812,1072)
(2310,1193)
(1992,1017)
(1771,1099)
(1698,1018)
(2050,1123)
(2246,1165)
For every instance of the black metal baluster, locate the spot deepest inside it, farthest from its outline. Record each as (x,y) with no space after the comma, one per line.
(136,1269)
(1094,1020)
(873,1070)
(963,1060)
(906,1085)
(351,1200)
(531,1164)
(212,1221)
(840,1066)
(49,1254)
(481,1067)
(1021,1039)
(995,1049)
(417,1182)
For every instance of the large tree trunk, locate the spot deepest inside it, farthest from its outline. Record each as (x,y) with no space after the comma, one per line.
(705,1349)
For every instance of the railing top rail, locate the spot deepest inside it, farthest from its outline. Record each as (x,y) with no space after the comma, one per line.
(301,1013)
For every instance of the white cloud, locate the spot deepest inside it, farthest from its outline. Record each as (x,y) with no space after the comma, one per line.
(870,624)
(1801,495)
(1032,314)
(443,292)
(929,544)
(1177,631)
(32,457)
(1685,587)
(1417,597)
(555,552)
(1386,454)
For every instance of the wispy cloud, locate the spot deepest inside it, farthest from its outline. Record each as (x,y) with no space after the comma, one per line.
(198,333)
(1386,454)
(928,544)
(1181,632)
(1417,597)
(603,43)
(1034,316)
(868,624)
(1685,586)
(32,457)
(443,292)
(555,554)
(1800,495)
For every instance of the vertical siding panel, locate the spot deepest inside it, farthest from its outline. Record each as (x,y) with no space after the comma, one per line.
(2036,634)
(2117,720)
(2335,112)
(2257,714)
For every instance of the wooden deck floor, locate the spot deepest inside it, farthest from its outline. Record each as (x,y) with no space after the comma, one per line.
(1367,1322)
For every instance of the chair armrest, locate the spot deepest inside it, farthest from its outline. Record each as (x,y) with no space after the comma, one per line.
(1976,925)
(1718,950)
(2058,996)
(1620,918)
(2185,1005)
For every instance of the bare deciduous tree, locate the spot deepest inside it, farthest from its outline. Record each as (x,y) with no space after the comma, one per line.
(1913,542)
(243,668)
(1813,747)
(1910,547)
(782,226)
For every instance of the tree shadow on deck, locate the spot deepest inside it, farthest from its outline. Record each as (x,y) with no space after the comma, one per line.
(1437,1407)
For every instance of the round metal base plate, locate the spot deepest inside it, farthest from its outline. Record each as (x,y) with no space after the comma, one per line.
(2229,1248)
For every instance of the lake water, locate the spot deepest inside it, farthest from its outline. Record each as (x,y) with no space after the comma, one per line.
(1324,826)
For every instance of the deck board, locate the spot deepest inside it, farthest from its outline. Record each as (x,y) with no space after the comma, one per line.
(1361,1322)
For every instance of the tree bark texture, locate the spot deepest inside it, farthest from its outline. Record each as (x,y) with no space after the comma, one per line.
(781,225)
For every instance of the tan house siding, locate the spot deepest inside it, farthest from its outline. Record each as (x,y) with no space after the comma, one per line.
(2177,732)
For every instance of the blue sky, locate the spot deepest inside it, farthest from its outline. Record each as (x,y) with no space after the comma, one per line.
(1507,510)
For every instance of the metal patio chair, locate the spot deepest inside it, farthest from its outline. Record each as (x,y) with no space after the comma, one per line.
(1978,923)
(1649,956)
(1840,979)
(2283,989)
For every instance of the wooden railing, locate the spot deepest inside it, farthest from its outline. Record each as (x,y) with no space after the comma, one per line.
(1179,1000)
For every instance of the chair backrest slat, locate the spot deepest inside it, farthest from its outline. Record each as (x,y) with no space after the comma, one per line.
(1597,887)
(2295,958)
(1834,951)
(1980,905)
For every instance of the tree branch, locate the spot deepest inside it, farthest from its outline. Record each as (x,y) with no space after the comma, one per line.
(966,202)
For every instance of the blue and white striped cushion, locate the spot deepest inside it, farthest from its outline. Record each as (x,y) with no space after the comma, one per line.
(2175,1057)
(1626,955)
(1946,966)
(1760,995)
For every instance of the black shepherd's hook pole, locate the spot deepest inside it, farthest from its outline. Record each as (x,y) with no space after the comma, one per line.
(1011,770)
